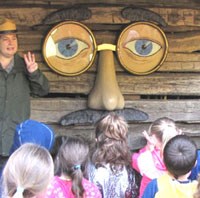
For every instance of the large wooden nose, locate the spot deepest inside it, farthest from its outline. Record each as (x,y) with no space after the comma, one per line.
(106,94)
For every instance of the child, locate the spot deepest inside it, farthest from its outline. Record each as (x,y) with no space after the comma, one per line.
(197,193)
(34,132)
(59,140)
(28,172)
(196,170)
(70,163)
(148,162)
(111,167)
(180,157)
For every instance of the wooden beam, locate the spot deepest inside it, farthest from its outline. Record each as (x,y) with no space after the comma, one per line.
(154,84)
(159,3)
(51,110)
(104,14)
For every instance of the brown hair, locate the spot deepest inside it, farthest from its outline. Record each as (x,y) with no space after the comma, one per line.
(112,148)
(71,161)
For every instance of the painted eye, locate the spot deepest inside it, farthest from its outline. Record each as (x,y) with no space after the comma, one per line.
(143,47)
(70,47)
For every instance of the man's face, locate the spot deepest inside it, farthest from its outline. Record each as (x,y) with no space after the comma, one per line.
(8,45)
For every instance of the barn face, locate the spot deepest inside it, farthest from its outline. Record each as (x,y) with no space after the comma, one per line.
(70,49)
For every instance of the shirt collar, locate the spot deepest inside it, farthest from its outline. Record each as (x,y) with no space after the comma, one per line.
(10,66)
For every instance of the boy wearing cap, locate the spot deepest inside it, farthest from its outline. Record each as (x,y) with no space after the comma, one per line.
(19,78)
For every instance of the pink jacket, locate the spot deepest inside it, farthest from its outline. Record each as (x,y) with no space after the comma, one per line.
(149,164)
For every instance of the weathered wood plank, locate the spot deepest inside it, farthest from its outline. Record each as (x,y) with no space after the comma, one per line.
(184,42)
(51,110)
(183,57)
(102,14)
(115,27)
(153,84)
(159,3)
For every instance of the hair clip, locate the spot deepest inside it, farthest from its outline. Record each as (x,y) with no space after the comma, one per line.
(19,191)
(77,167)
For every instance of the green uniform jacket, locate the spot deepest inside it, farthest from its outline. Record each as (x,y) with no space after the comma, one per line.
(16,88)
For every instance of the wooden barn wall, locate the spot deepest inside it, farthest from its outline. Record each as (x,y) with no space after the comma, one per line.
(173,90)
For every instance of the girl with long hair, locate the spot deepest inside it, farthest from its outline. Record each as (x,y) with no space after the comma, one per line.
(70,164)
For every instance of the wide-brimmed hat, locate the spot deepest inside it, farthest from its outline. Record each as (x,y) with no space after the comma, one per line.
(7,26)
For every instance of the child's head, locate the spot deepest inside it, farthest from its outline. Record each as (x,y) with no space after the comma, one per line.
(59,140)
(35,132)
(71,162)
(162,130)
(113,127)
(28,171)
(180,154)
(111,134)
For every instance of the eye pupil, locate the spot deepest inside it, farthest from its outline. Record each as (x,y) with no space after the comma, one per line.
(68,46)
(143,47)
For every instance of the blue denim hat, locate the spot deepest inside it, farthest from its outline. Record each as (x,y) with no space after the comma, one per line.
(31,131)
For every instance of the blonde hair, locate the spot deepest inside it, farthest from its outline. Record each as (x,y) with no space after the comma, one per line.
(164,129)
(28,171)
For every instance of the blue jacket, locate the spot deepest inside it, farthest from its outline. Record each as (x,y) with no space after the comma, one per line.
(196,170)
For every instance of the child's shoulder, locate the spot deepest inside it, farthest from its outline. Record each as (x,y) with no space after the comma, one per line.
(169,187)
(151,189)
(91,190)
(55,188)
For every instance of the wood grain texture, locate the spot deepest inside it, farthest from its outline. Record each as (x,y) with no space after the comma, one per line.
(51,110)
(102,14)
(154,84)
(178,77)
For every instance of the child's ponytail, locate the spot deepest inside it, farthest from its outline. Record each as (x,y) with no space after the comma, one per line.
(77,176)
